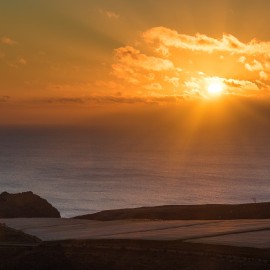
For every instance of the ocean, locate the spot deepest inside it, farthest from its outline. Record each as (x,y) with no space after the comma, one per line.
(84,171)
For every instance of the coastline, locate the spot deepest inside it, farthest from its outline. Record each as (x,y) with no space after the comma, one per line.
(216,237)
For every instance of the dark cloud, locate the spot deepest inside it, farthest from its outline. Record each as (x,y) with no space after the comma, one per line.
(63,100)
(4,98)
(114,100)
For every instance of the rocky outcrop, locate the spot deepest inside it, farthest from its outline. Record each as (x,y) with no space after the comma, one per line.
(187,212)
(9,235)
(25,205)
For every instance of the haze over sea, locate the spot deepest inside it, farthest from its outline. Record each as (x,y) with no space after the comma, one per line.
(83,171)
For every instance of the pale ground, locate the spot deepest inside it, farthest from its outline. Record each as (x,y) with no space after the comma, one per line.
(247,233)
(259,239)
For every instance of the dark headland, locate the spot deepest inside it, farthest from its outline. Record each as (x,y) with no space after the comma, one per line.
(25,205)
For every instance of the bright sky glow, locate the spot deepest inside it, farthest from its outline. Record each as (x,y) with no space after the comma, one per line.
(96,55)
(215,88)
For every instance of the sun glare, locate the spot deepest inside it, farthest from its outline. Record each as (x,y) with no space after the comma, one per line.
(215,88)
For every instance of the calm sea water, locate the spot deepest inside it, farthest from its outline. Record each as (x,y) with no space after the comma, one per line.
(87,171)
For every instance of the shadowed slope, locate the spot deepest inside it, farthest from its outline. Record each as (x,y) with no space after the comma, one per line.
(187,212)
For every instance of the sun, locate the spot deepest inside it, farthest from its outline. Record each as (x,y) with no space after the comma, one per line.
(215,87)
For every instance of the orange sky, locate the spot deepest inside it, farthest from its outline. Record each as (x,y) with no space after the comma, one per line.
(75,61)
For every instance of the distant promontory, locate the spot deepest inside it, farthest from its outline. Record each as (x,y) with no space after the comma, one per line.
(25,205)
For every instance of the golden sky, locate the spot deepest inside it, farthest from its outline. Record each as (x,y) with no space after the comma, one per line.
(69,61)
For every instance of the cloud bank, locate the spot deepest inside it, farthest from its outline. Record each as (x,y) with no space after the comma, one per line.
(112,100)
(7,41)
(165,62)
(4,99)
(109,14)
(164,39)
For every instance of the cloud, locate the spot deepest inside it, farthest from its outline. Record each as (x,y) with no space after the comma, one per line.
(137,68)
(153,86)
(264,75)
(4,99)
(109,14)
(64,100)
(197,86)
(17,63)
(241,85)
(165,62)
(7,41)
(172,80)
(134,58)
(108,85)
(22,61)
(164,39)
(103,100)
(254,66)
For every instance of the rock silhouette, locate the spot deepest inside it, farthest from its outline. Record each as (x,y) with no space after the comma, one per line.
(25,205)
